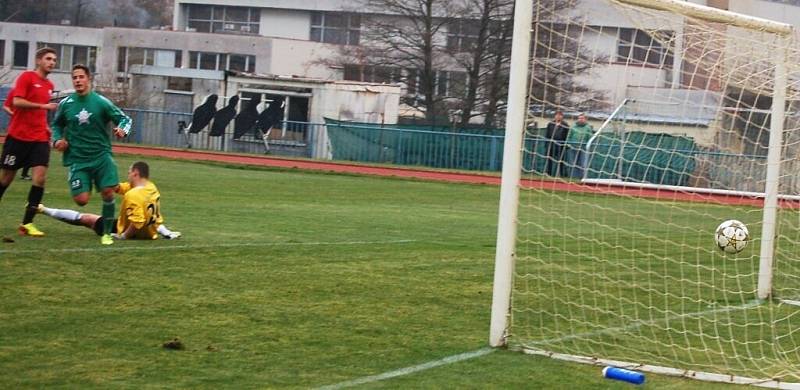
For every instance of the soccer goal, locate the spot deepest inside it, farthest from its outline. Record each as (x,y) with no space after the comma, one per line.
(611,258)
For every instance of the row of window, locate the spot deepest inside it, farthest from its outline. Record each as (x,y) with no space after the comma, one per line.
(128,56)
(446,83)
(224,19)
(68,55)
(462,35)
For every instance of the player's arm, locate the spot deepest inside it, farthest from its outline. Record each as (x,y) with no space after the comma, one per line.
(57,125)
(129,232)
(20,102)
(123,187)
(135,218)
(121,121)
(18,96)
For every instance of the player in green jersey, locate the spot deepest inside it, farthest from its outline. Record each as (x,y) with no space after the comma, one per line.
(80,132)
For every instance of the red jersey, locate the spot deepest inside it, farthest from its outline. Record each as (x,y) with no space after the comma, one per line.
(30,124)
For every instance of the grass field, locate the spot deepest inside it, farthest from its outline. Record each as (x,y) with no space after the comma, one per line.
(283,280)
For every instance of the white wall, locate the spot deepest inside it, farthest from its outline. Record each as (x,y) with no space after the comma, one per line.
(295,57)
(282,23)
(768,10)
(354,102)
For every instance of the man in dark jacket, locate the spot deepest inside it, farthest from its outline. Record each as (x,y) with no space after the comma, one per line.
(557,132)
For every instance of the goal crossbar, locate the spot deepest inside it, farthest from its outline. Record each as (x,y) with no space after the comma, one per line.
(716,15)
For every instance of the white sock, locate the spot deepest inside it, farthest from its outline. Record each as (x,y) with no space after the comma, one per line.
(162,230)
(62,214)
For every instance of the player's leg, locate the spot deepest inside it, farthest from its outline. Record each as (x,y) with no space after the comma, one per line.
(26,174)
(8,164)
(6,177)
(38,158)
(80,184)
(99,225)
(107,179)
(71,217)
(167,234)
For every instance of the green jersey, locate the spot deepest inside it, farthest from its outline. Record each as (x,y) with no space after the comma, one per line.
(580,134)
(83,122)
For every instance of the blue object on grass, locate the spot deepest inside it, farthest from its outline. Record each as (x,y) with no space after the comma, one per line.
(622,374)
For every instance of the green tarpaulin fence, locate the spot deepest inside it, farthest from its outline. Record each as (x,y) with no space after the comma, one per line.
(642,157)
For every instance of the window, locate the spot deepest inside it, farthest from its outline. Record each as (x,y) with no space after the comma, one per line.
(179,84)
(223,19)
(337,28)
(462,35)
(2,51)
(242,63)
(69,55)
(20,54)
(221,61)
(128,56)
(373,74)
(446,83)
(639,47)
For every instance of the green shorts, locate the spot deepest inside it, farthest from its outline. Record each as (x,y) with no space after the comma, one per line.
(102,172)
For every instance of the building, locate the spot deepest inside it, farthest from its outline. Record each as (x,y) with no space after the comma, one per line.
(295,38)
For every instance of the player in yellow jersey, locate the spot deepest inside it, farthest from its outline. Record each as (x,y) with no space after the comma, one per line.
(139,215)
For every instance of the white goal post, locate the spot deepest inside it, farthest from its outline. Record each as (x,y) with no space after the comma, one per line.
(619,276)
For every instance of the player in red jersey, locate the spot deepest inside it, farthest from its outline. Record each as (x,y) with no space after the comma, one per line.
(28,141)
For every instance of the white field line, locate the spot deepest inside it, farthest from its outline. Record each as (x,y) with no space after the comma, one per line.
(409,370)
(147,247)
(485,351)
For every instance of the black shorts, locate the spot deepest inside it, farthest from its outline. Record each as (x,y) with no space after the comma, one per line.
(98,226)
(19,154)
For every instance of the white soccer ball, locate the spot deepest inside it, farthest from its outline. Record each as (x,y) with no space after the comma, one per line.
(732,236)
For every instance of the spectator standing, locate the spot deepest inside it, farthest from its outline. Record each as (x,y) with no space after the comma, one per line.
(557,131)
(577,138)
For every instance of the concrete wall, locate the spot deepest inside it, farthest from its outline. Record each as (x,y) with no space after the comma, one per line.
(261,47)
(355,103)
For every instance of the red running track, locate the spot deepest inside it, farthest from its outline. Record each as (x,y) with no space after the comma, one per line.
(434,175)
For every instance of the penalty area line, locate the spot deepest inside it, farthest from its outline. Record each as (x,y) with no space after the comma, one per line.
(409,370)
(126,248)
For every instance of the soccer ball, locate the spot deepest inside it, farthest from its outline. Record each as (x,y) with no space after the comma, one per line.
(732,236)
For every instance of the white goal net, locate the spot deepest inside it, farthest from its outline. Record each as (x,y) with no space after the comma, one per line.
(668,111)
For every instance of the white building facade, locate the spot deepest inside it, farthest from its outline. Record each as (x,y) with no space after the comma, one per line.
(294,38)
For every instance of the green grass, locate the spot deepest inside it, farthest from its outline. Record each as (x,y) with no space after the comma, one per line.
(283,280)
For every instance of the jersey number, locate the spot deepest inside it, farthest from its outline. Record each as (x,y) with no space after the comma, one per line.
(154,210)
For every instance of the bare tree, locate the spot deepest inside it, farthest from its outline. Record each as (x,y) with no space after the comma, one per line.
(402,41)
(482,49)
(557,59)
(453,55)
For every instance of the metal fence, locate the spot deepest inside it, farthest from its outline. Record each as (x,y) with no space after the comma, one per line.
(645,159)
(163,128)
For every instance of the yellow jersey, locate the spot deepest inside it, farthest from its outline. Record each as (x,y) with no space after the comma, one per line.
(140,208)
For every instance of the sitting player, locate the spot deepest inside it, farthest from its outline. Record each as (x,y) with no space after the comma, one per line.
(139,216)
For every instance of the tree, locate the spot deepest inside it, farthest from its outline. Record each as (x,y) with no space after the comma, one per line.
(483,54)
(401,40)
(453,56)
(557,59)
